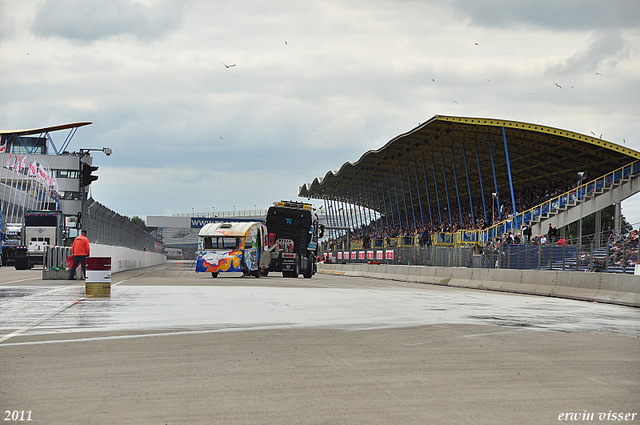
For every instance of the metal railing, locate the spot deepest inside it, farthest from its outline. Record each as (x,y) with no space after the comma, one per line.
(619,256)
(226,214)
(107,227)
(55,257)
(558,203)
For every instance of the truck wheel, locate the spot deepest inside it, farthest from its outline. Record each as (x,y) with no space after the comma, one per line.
(297,272)
(309,270)
(264,272)
(256,273)
(21,263)
(214,274)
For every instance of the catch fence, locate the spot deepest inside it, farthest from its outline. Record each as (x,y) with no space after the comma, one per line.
(107,227)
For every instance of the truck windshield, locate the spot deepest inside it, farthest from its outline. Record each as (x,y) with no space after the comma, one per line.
(41,220)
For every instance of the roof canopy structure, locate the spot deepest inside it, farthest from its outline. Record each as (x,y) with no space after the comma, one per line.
(43,132)
(458,158)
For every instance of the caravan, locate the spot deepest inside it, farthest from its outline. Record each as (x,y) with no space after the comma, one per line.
(233,247)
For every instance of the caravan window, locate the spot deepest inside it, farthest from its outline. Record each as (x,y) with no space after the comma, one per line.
(211,242)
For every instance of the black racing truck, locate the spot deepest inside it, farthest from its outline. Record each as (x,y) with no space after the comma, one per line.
(293,238)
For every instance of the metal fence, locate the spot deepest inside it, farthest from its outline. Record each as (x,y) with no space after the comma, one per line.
(609,258)
(55,257)
(107,227)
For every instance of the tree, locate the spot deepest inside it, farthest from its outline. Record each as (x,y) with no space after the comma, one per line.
(140,223)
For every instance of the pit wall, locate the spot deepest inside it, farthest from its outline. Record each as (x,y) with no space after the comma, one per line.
(126,258)
(601,287)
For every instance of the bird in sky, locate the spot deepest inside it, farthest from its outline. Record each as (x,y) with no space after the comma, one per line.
(558,85)
(228,66)
(597,73)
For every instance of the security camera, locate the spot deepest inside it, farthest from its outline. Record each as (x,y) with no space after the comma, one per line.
(107,151)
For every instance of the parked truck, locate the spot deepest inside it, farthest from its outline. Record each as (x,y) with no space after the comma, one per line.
(11,239)
(293,236)
(40,229)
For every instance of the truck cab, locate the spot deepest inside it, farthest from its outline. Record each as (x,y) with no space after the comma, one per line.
(294,231)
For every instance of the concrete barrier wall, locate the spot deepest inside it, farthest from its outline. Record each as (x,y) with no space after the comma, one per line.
(126,258)
(601,287)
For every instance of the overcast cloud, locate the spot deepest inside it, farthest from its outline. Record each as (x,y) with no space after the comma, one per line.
(315,84)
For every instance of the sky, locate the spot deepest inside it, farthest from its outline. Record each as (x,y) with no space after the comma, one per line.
(220,106)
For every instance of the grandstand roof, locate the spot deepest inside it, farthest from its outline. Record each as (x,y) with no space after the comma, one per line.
(45,129)
(537,155)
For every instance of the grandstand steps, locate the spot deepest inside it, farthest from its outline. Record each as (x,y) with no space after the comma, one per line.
(571,263)
(595,201)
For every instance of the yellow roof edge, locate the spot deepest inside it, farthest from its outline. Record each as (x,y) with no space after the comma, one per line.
(493,122)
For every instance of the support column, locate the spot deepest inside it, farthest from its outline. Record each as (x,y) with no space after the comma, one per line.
(435,182)
(372,207)
(618,221)
(393,221)
(466,171)
(455,179)
(598,220)
(484,204)
(415,169)
(495,181)
(395,188)
(361,215)
(426,188)
(413,209)
(384,200)
(513,198)
(382,222)
(446,190)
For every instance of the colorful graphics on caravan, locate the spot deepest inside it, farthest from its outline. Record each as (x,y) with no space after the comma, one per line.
(233,247)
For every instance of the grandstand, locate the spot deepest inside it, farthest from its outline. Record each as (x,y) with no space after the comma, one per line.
(471,181)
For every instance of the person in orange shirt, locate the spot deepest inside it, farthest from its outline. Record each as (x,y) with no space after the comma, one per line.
(80,250)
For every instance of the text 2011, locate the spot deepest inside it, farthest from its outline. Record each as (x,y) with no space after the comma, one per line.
(17,415)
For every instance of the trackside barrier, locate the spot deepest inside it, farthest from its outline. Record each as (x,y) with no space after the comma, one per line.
(55,257)
(606,288)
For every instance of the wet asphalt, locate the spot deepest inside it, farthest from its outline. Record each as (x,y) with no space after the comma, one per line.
(173,346)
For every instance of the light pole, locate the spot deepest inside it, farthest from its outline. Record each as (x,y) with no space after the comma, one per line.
(494,195)
(83,192)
